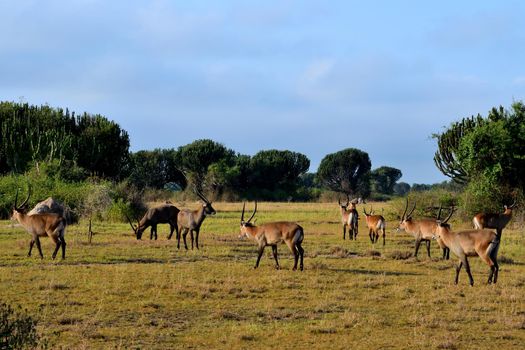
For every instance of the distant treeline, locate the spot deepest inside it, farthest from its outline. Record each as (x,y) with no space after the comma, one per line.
(75,148)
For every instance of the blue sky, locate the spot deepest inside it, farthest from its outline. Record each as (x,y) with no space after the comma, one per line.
(309,76)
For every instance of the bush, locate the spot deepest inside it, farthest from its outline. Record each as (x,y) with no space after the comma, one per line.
(427,202)
(127,200)
(17,329)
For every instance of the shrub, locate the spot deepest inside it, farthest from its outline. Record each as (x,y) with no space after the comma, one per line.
(17,329)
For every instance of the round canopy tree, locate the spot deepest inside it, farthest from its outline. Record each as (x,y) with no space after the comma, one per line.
(346,171)
(196,157)
(384,179)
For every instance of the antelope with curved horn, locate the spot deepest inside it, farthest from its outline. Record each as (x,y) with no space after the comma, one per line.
(273,233)
(376,224)
(478,242)
(422,230)
(41,225)
(164,214)
(349,218)
(191,220)
(496,221)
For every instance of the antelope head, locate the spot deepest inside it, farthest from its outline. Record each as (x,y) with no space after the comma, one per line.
(442,224)
(247,223)
(370,213)
(508,208)
(344,206)
(406,218)
(208,209)
(137,229)
(22,208)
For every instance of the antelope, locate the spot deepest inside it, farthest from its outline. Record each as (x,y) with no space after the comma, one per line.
(41,225)
(349,217)
(272,234)
(478,242)
(164,214)
(191,220)
(494,221)
(375,223)
(422,230)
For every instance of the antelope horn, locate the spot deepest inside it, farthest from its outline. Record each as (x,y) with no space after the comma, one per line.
(406,207)
(512,205)
(413,208)
(199,193)
(449,216)
(242,215)
(439,212)
(16,198)
(347,199)
(25,201)
(254,211)
(131,224)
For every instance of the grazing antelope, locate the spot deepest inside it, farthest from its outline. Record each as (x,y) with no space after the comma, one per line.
(191,220)
(272,234)
(164,214)
(478,242)
(494,221)
(349,218)
(375,223)
(422,230)
(41,225)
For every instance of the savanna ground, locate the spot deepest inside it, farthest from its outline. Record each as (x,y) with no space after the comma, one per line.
(122,293)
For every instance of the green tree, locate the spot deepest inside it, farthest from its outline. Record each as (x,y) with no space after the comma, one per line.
(384,179)
(196,157)
(34,134)
(346,171)
(401,188)
(272,169)
(155,169)
(103,147)
(491,147)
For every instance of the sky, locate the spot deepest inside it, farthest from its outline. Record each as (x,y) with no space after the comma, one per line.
(313,77)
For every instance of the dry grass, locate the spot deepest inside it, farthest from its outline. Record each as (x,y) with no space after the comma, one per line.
(123,293)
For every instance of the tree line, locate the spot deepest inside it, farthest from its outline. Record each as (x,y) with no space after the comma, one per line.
(483,156)
(79,147)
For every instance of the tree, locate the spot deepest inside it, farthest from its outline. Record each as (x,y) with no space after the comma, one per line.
(196,157)
(34,134)
(103,147)
(384,179)
(272,169)
(492,147)
(155,169)
(401,188)
(346,171)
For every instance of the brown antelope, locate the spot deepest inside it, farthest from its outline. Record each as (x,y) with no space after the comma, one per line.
(41,225)
(375,223)
(494,221)
(191,220)
(164,214)
(349,218)
(272,234)
(478,242)
(422,230)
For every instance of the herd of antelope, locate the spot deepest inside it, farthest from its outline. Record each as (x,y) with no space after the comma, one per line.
(481,241)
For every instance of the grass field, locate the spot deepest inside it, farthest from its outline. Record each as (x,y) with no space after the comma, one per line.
(122,293)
